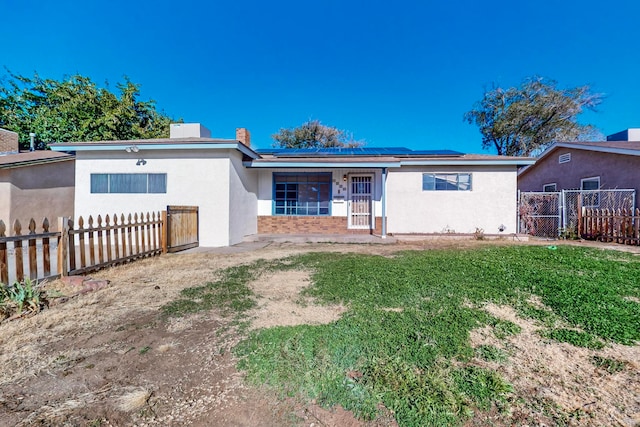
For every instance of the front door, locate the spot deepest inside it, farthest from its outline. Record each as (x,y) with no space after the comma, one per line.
(360,201)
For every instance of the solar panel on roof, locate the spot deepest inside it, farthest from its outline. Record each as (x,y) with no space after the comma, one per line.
(354,151)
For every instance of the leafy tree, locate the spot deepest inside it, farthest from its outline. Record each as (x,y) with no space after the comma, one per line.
(523,120)
(76,109)
(314,134)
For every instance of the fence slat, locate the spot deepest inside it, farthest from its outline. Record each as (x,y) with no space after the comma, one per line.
(46,250)
(100,241)
(33,251)
(129,232)
(143,232)
(92,251)
(107,233)
(17,247)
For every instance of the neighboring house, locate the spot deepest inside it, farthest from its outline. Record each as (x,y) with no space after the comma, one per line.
(611,164)
(241,191)
(34,184)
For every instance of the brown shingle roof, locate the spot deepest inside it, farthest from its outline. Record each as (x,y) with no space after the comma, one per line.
(26,158)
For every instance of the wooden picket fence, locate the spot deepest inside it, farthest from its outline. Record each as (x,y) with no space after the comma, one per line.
(97,244)
(620,226)
(33,240)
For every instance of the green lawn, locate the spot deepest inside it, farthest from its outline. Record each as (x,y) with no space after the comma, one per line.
(404,341)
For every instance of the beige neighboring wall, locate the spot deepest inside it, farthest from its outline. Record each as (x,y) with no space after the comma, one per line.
(37,191)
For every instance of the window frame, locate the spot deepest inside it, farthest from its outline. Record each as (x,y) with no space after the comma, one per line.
(440,183)
(555,187)
(590,200)
(284,184)
(111,182)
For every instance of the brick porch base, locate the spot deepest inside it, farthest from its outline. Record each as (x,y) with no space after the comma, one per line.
(311,225)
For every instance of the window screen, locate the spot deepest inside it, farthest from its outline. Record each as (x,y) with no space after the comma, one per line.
(446,182)
(128,183)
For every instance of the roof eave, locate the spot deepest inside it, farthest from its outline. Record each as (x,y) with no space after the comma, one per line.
(303,164)
(473,162)
(24,163)
(120,146)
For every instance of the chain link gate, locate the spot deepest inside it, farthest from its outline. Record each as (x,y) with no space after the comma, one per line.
(539,213)
(552,214)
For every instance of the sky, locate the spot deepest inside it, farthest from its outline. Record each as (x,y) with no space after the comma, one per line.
(393,73)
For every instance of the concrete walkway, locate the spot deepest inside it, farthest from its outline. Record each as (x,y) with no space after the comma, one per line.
(259,241)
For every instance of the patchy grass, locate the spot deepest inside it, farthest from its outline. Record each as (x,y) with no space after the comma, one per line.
(404,340)
(490,353)
(573,337)
(612,366)
(230,293)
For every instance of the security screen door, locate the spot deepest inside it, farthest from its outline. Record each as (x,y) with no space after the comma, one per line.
(360,198)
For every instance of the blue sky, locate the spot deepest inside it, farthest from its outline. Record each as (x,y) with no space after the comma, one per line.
(398,73)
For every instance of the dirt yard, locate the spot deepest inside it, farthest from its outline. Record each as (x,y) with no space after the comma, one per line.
(106,358)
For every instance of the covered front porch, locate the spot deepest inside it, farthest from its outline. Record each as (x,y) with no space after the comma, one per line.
(322,201)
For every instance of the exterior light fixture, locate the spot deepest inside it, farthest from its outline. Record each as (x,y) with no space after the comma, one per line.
(344,178)
(141,162)
(132,149)
(502,228)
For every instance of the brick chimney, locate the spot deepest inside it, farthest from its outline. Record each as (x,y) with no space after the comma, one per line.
(8,141)
(243,136)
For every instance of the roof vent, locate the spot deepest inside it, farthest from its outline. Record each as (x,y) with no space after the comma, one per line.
(564,158)
(188,130)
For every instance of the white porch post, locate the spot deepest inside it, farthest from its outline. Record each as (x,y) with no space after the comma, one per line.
(384,203)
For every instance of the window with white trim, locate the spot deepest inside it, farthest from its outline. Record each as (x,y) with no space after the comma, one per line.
(301,193)
(446,182)
(547,188)
(128,183)
(590,193)
(564,158)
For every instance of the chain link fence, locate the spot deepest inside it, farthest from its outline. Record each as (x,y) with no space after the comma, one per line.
(539,213)
(554,214)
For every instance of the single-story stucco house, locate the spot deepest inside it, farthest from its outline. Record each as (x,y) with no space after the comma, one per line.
(241,191)
(600,165)
(33,184)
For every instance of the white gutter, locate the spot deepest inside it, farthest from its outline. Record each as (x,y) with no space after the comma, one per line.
(146,146)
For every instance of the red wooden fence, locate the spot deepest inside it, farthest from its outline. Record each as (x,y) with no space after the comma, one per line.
(620,226)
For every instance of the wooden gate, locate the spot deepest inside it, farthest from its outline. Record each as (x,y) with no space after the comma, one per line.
(182,228)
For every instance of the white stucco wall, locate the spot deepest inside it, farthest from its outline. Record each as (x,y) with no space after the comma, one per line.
(339,189)
(194,177)
(243,200)
(491,202)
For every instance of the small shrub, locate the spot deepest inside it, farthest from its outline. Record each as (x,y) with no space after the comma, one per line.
(479,233)
(20,297)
